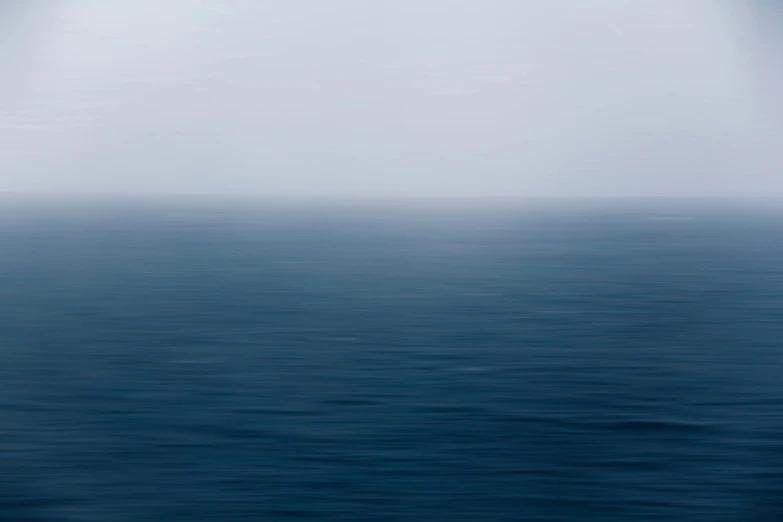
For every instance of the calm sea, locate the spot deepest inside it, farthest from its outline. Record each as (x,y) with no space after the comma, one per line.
(194,360)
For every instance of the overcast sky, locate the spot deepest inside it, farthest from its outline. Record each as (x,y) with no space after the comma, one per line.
(391,97)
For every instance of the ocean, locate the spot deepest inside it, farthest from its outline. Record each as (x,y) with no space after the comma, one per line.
(206,359)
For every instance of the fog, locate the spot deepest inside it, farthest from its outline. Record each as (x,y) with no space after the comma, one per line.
(391,98)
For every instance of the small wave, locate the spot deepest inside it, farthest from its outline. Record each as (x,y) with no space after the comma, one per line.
(650,425)
(352,402)
(632,464)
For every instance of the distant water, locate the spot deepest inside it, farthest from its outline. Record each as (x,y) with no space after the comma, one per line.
(215,361)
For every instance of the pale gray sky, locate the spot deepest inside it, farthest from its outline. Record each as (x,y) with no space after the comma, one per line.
(390,97)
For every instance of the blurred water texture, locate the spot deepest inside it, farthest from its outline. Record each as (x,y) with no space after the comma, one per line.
(187,360)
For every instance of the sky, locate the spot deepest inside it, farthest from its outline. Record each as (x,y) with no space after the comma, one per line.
(564,98)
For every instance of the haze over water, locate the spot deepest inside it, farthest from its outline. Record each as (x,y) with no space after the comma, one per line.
(379,261)
(353,98)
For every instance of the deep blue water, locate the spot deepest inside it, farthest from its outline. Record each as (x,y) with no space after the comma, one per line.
(193,360)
